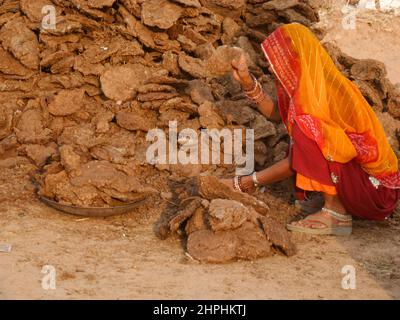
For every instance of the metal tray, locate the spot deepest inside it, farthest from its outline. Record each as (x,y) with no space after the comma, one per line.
(92,211)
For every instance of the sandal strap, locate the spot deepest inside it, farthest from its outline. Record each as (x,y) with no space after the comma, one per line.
(338,216)
(313,221)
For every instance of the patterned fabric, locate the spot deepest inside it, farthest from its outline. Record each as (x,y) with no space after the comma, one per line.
(390,180)
(285,64)
(361,195)
(366,147)
(311,127)
(326,105)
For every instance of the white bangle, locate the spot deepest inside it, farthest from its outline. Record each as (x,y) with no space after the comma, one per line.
(255,180)
(236,184)
(256,83)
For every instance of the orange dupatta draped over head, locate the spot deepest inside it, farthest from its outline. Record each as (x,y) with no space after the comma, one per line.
(327,106)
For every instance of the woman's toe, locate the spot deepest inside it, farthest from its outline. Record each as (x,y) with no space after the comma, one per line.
(300,223)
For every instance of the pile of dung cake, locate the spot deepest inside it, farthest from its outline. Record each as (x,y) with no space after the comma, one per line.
(220,225)
(78,98)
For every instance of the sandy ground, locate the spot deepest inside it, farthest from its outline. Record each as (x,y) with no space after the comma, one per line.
(120,257)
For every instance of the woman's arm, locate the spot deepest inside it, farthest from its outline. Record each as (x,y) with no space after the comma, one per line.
(277,172)
(254,90)
(268,107)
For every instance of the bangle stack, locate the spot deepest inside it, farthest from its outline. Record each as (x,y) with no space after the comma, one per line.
(257,93)
(237,183)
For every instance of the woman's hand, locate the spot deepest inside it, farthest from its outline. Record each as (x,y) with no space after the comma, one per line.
(246,184)
(242,74)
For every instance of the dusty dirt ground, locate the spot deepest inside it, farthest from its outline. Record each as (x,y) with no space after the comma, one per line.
(121,258)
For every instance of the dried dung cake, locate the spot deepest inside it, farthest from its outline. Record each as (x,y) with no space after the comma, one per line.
(77,101)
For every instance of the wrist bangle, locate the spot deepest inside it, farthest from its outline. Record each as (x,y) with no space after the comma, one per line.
(255,180)
(236,184)
(254,89)
(258,97)
(261,98)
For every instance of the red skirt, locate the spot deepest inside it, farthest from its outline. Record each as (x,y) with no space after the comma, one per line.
(358,194)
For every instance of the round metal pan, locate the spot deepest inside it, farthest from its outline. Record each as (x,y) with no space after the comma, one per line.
(93,211)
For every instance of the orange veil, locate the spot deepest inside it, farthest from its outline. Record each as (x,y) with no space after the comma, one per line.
(326,105)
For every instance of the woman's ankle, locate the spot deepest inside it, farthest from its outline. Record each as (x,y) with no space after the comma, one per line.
(332,202)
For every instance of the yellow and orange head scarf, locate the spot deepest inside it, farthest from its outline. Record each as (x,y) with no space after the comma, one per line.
(326,105)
